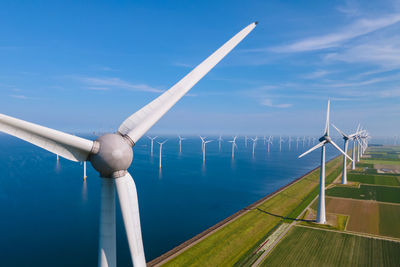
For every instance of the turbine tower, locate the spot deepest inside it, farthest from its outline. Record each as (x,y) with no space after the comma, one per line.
(233,146)
(289,141)
(180,143)
(245,141)
(297,142)
(112,154)
(204,149)
(84,170)
(346,139)
(161,145)
(219,143)
(254,144)
(325,139)
(280,143)
(151,144)
(269,142)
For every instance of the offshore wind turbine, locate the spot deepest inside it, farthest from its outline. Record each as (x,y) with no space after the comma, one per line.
(180,143)
(151,144)
(304,140)
(204,149)
(269,142)
(245,141)
(346,139)
(297,142)
(161,145)
(280,143)
(290,141)
(325,139)
(111,155)
(254,144)
(219,143)
(233,146)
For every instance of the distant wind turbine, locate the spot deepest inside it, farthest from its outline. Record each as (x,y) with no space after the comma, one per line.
(280,143)
(325,139)
(269,142)
(254,144)
(180,143)
(233,146)
(346,139)
(204,149)
(245,141)
(219,143)
(161,146)
(112,154)
(151,144)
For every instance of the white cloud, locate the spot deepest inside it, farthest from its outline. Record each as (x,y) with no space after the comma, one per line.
(19,96)
(268,102)
(316,74)
(98,88)
(358,28)
(119,83)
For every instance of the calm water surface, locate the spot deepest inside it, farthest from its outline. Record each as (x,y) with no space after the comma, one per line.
(50,216)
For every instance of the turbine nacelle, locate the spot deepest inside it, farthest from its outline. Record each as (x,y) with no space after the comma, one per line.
(114,156)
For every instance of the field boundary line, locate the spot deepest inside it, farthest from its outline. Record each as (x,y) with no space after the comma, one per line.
(365,200)
(387,238)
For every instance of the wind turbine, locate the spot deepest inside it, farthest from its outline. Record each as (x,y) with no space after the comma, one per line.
(204,149)
(265,139)
(245,141)
(325,139)
(280,143)
(254,144)
(297,142)
(219,143)
(111,155)
(346,139)
(180,143)
(289,141)
(161,145)
(304,140)
(151,145)
(233,146)
(269,142)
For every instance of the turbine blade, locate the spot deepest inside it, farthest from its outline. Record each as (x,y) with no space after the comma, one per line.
(341,151)
(140,122)
(326,132)
(339,131)
(128,201)
(66,145)
(313,148)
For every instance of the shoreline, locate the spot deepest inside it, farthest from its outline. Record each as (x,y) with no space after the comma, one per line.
(192,241)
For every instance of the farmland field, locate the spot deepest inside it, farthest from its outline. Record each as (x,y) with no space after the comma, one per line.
(389,218)
(367,192)
(312,247)
(374,179)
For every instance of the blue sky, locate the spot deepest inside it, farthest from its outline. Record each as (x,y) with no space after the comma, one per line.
(87,65)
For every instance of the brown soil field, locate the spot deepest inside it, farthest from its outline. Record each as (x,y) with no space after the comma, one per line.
(363,215)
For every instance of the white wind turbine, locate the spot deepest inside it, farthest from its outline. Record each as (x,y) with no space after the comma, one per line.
(297,142)
(280,143)
(233,146)
(204,149)
(325,139)
(151,144)
(112,154)
(346,139)
(304,141)
(265,139)
(289,141)
(161,146)
(180,143)
(245,140)
(219,143)
(269,142)
(254,144)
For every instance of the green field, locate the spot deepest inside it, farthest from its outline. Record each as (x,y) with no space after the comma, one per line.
(382,161)
(311,247)
(374,179)
(389,220)
(235,242)
(367,192)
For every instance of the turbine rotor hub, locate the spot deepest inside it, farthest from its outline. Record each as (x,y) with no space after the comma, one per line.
(114,156)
